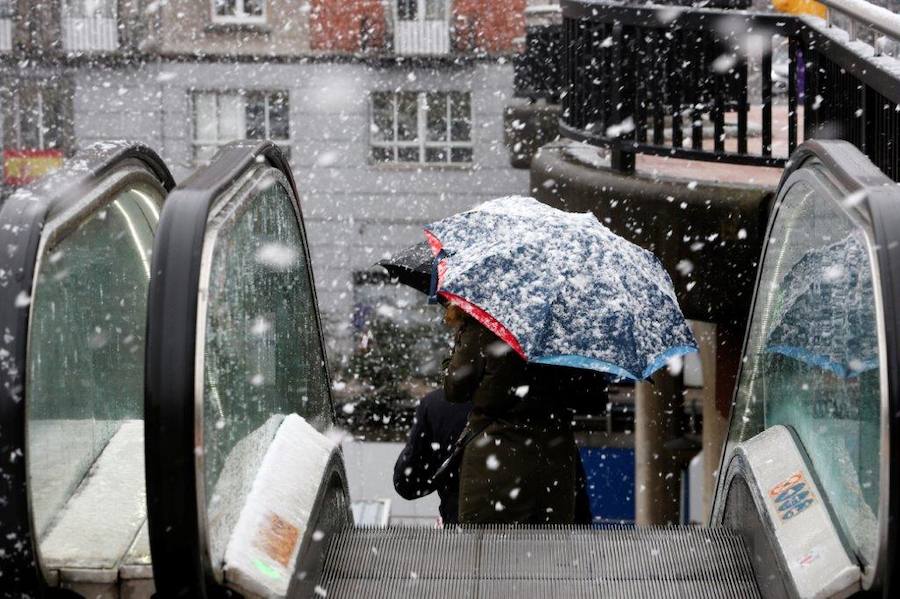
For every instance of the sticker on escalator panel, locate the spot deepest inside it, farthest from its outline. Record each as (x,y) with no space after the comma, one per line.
(807,559)
(278,539)
(792,496)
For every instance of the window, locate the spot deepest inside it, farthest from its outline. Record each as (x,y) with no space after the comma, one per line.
(420,127)
(262,354)
(812,360)
(90,26)
(86,9)
(37,119)
(221,117)
(431,10)
(239,11)
(7,9)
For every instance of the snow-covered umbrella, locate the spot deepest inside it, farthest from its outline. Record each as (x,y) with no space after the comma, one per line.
(560,288)
(826,310)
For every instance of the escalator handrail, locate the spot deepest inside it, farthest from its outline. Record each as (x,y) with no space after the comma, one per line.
(178,546)
(22,219)
(882,204)
(855,173)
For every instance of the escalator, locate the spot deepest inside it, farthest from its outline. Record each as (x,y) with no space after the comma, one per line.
(246,492)
(779,526)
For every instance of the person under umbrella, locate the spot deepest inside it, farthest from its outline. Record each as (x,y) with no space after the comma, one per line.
(438,424)
(519,455)
(540,287)
(436,427)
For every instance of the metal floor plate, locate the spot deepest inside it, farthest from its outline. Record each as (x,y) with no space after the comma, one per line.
(537,562)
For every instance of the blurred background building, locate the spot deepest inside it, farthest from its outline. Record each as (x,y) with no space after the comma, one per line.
(390,111)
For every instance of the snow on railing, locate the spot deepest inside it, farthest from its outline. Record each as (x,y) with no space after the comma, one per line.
(90,34)
(865,14)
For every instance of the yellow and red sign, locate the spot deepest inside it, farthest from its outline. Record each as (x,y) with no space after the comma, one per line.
(24,166)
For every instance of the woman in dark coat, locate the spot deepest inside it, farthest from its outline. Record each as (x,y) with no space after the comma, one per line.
(520,465)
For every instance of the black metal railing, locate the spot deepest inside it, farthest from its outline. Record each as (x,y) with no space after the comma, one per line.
(538,71)
(699,83)
(663,80)
(848,95)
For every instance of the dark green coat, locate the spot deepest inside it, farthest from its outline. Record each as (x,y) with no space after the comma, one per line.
(521,469)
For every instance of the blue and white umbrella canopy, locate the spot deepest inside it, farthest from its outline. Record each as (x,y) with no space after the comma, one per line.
(826,316)
(560,287)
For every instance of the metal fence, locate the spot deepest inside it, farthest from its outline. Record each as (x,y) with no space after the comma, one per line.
(538,70)
(723,85)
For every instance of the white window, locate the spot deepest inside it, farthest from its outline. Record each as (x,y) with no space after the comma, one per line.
(239,11)
(221,117)
(421,27)
(7,11)
(38,119)
(421,127)
(422,10)
(86,9)
(90,26)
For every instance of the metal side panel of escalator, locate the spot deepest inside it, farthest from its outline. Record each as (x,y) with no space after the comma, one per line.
(74,275)
(243,480)
(820,361)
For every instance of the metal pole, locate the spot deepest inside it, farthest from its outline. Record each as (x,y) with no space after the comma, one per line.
(715,425)
(659,411)
(622,161)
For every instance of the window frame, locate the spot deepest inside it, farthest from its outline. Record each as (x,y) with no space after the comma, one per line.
(238,19)
(421,142)
(46,101)
(39,110)
(420,8)
(285,144)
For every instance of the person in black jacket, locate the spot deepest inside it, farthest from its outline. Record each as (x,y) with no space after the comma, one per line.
(436,427)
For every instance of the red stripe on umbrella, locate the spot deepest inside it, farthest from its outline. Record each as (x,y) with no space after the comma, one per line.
(486,319)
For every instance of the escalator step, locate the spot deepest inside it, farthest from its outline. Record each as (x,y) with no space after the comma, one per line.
(537,562)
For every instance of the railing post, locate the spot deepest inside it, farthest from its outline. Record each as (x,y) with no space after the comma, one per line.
(658,420)
(621,160)
(793,91)
(622,96)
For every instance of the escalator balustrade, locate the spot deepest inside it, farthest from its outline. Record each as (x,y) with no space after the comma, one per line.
(238,398)
(818,361)
(76,270)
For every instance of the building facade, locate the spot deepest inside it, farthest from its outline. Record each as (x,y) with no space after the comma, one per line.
(391,113)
